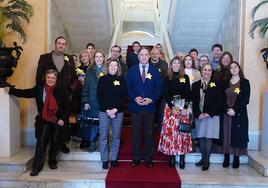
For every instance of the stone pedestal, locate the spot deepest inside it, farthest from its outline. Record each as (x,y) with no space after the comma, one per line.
(264,137)
(9,124)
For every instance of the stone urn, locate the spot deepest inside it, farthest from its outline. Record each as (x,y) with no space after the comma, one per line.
(8,59)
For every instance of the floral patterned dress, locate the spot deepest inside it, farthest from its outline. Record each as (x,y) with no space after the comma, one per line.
(173,142)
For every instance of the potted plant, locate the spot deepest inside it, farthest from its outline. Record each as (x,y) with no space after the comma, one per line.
(262,26)
(13,15)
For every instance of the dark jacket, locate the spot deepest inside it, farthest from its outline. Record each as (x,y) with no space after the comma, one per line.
(37,92)
(151,88)
(162,67)
(132,59)
(89,93)
(66,75)
(212,101)
(239,130)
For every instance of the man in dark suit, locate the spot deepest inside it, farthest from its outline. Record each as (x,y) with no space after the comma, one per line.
(132,58)
(144,88)
(64,65)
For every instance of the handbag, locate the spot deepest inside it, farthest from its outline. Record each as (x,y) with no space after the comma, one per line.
(186,121)
(88,126)
(184,125)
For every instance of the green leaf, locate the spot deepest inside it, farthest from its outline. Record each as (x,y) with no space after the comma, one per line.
(254,10)
(262,24)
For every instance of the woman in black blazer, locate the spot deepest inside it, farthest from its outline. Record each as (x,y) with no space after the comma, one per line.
(235,124)
(51,115)
(206,106)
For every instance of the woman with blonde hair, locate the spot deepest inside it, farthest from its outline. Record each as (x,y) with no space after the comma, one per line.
(206,98)
(111,94)
(88,131)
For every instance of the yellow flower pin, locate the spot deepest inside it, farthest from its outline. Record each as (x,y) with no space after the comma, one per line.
(149,76)
(182,80)
(212,84)
(159,70)
(116,83)
(237,90)
(66,58)
(192,78)
(79,71)
(101,74)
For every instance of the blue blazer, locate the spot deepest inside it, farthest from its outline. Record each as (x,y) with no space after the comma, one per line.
(151,88)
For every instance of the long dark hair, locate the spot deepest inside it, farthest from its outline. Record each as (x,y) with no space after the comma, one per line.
(241,74)
(193,64)
(220,60)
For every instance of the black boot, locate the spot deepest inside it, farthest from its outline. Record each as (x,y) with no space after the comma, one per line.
(226,161)
(236,162)
(200,163)
(205,166)
(172,161)
(92,147)
(34,172)
(182,162)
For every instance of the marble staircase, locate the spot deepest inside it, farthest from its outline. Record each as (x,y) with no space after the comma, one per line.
(81,169)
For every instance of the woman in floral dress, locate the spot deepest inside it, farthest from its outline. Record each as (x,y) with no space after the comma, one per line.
(172,142)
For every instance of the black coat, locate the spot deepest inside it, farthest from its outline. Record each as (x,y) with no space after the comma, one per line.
(66,76)
(132,59)
(162,67)
(239,130)
(212,101)
(37,93)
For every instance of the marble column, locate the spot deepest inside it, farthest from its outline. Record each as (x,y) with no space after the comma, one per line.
(9,124)
(264,137)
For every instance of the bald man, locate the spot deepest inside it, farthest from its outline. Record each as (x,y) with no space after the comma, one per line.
(160,64)
(162,68)
(180,55)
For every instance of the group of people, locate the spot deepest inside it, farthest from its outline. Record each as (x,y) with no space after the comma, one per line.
(190,100)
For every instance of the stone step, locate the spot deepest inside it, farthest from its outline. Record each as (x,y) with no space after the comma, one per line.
(78,174)
(218,177)
(19,162)
(69,174)
(214,158)
(77,154)
(257,161)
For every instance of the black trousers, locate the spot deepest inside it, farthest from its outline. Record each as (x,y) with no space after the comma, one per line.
(138,120)
(49,132)
(65,130)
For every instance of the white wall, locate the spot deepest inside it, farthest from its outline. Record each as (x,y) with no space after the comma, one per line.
(56,26)
(229,30)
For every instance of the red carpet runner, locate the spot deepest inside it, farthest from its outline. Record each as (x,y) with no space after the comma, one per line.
(125,176)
